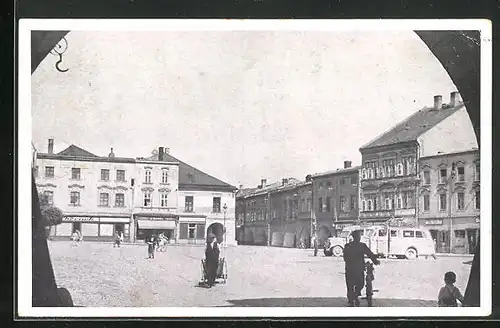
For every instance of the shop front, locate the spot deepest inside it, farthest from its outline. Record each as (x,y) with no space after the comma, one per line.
(192,230)
(147,226)
(92,228)
(463,232)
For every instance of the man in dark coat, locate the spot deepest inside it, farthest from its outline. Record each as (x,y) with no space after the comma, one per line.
(212,260)
(354,257)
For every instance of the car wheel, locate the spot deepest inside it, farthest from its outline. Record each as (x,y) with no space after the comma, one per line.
(337,251)
(411,253)
(328,252)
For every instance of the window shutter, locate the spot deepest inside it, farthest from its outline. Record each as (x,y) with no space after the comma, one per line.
(200,231)
(183,232)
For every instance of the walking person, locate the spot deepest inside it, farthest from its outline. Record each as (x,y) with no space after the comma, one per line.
(314,241)
(118,239)
(449,294)
(212,260)
(151,247)
(354,257)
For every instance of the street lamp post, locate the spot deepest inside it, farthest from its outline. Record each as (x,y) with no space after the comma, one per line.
(224,208)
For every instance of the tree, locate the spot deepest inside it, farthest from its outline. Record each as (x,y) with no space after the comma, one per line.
(52,215)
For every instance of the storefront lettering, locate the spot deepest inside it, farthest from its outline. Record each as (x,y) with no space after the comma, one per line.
(80,219)
(434,222)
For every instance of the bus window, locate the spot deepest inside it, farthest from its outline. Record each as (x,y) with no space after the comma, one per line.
(419,234)
(408,233)
(382,233)
(394,233)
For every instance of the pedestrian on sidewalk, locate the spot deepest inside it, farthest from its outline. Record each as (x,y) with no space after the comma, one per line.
(212,260)
(151,247)
(354,257)
(449,294)
(118,238)
(314,241)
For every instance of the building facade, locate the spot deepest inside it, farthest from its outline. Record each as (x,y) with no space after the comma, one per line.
(450,200)
(140,197)
(391,163)
(335,200)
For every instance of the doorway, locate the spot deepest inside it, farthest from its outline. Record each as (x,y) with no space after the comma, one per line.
(77,226)
(472,236)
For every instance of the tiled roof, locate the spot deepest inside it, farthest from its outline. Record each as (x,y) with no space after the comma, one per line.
(413,126)
(191,176)
(76,151)
(337,171)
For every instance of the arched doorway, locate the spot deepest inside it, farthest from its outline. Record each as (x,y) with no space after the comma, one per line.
(217,230)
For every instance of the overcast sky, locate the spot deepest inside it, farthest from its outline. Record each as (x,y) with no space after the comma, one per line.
(240,106)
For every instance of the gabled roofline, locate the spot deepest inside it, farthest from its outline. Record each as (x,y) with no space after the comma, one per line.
(471,151)
(337,172)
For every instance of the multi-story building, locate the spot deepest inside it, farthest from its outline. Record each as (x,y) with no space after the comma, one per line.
(93,192)
(449,200)
(335,200)
(241,213)
(290,215)
(138,196)
(390,163)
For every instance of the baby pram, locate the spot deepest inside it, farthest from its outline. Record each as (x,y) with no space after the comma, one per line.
(221,271)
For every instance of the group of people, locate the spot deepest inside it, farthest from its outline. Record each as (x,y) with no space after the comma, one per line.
(156,242)
(76,237)
(354,257)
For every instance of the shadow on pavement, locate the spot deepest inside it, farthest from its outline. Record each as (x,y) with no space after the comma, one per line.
(326,302)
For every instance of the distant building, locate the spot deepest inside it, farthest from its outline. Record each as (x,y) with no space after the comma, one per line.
(390,163)
(335,200)
(139,196)
(449,200)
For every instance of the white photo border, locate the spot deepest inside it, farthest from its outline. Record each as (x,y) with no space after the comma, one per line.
(24,259)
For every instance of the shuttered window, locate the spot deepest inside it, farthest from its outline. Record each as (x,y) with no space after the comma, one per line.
(200,231)
(183,232)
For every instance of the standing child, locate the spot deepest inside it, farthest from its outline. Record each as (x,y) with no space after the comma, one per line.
(449,294)
(151,247)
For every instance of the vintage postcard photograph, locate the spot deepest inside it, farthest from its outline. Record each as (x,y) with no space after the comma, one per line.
(254,168)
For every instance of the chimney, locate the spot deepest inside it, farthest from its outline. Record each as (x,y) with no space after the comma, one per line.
(51,146)
(160,153)
(284,181)
(454,99)
(263,182)
(167,150)
(241,186)
(438,102)
(347,164)
(111,154)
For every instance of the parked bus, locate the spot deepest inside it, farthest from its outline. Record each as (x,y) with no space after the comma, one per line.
(335,245)
(404,242)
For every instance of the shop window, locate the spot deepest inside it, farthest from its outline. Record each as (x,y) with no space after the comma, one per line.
(408,233)
(183,231)
(90,229)
(200,231)
(104,175)
(49,171)
(189,204)
(192,231)
(104,199)
(120,200)
(106,229)
(120,175)
(459,233)
(75,198)
(75,173)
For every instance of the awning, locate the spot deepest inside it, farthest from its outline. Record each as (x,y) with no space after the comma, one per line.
(150,224)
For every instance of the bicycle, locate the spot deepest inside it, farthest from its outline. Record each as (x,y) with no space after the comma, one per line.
(369,282)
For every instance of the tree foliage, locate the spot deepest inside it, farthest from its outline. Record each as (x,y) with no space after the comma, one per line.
(52,215)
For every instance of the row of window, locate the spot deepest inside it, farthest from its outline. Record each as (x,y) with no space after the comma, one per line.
(76,173)
(188,202)
(328,184)
(406,200)
(326,205)
(389,168)
(105,174)
(443,175)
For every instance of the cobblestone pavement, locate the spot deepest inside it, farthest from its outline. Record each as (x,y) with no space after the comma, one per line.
(97,275)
